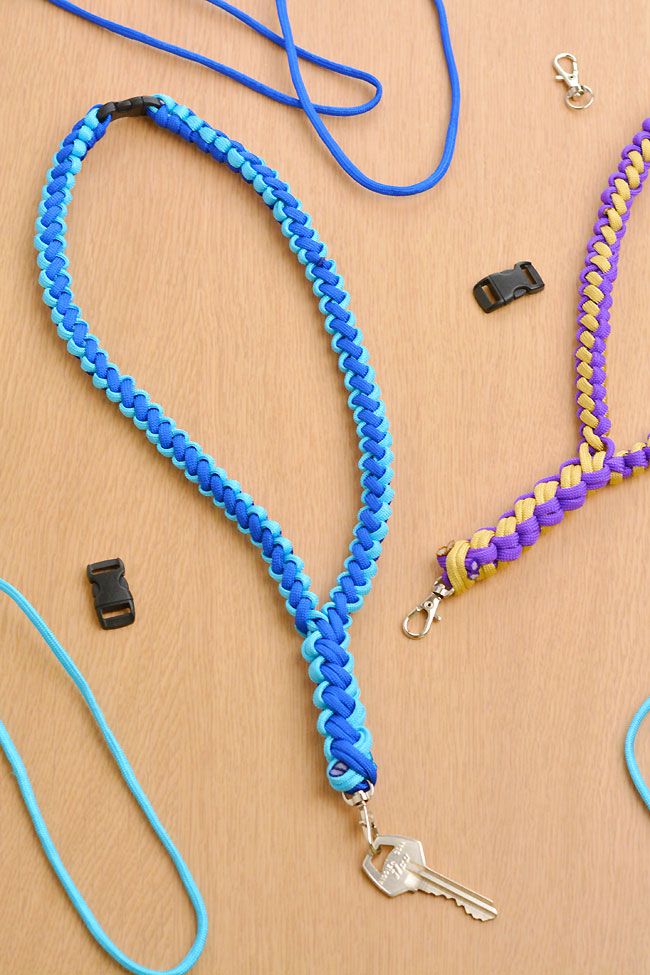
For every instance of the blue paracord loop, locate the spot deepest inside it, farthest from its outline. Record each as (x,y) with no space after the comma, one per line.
(313,111)
(127,773)
(342,720)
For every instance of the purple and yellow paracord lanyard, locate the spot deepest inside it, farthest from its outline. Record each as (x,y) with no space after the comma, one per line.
(598,462)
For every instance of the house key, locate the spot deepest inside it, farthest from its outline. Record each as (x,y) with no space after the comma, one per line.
(405,871)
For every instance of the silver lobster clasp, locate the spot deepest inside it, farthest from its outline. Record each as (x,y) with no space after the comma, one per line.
(577,96)
(360,800)
(429,608)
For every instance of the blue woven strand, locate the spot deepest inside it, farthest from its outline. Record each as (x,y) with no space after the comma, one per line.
(313,111)
(127,773)
(348,742)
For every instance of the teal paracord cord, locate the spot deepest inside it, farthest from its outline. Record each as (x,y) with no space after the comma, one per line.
(127,773)
(630,756)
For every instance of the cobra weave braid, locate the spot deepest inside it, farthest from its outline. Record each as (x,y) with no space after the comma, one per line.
(598,462)
(325,629)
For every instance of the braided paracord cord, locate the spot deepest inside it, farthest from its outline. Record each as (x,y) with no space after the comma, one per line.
(598,462)
(325,629)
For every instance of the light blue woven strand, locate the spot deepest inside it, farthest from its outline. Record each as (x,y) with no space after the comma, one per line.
(348,742)
(630,756)
(313,111)
(52,854)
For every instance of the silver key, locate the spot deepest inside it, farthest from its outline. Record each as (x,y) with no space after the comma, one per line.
(405,871)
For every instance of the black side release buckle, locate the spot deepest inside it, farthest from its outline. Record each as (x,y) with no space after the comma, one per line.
(128,107)
(501,288)
(113,599)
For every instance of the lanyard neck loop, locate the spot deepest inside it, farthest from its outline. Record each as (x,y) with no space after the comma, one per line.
(342,719)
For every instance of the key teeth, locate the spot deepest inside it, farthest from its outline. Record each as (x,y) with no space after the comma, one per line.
(447,894)
(476,912)
(487,913)
(479,914)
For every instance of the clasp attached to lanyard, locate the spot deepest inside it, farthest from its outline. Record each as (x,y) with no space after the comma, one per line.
(360,800)
(575,95)
(430,609)
(128,107)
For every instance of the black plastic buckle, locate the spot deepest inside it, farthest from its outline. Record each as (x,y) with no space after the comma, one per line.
(501,288)
(128,107)
(113,599)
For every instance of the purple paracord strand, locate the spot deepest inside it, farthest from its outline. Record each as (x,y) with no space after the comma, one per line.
(601,335)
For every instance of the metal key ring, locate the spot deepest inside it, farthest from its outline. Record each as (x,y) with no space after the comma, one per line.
(577,91)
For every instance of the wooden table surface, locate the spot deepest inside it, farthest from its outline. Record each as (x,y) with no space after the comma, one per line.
(499,739)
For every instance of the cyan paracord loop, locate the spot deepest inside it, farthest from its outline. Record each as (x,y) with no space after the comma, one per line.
(126,771)
(324,629)
(630,754)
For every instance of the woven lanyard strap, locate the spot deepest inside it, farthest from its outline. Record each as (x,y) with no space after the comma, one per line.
(325,629)
(598,463)
(314,112)
(127,773)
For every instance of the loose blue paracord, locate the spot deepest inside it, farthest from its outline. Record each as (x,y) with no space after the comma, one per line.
(311,110)
(51,852)
(630,756)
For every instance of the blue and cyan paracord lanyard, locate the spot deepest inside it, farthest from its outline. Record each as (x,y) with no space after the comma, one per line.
(347,742)
(324,629)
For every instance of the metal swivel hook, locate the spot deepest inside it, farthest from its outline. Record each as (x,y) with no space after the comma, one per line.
(430,609)
(577,96)
(360,801)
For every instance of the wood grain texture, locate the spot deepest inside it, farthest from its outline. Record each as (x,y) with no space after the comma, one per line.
(500,739)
